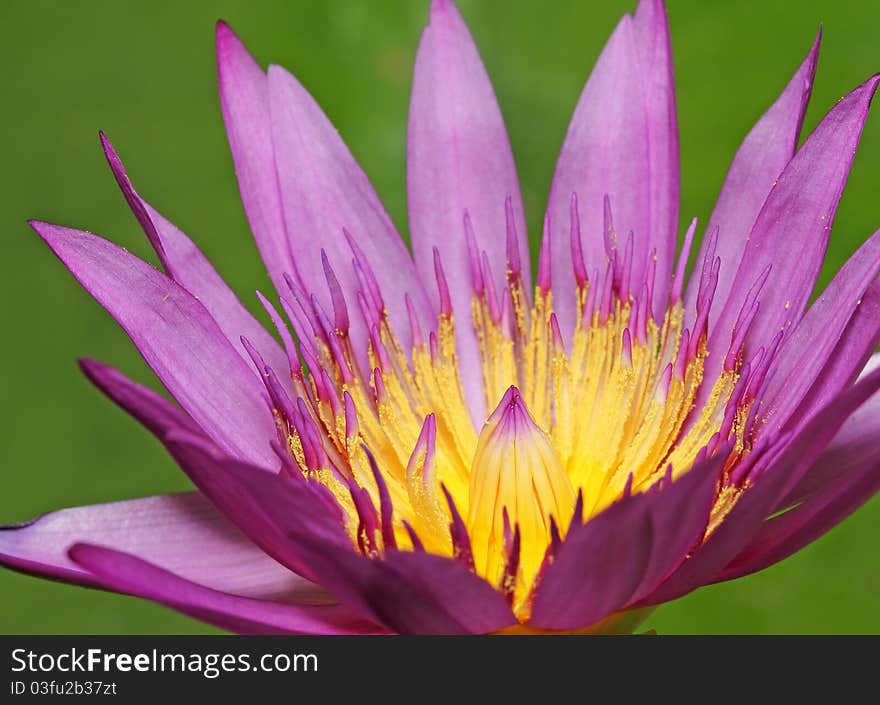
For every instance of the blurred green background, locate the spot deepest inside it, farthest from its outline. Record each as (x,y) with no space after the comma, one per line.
(145,74)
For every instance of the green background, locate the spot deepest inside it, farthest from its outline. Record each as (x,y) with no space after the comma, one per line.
(145,73)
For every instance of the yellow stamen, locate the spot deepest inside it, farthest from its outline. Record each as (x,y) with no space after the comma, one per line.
(613,410)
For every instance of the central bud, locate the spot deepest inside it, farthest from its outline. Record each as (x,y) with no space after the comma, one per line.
(517,472)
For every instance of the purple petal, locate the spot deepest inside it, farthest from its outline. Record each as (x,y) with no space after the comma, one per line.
(185,264)
(435,594)
(126,573)
(412,593)
(409,592)
(207,468)
(762,156)
(459,159)
(244,99)
(182,533)
(791,231)
(789,460)
(622,143)
(850,451)
(622,554)
(323,191)
(406,592)
(177,337)
(803,357)
(857,344)
(150,408)
(651,29)
(845,476)
(268,512)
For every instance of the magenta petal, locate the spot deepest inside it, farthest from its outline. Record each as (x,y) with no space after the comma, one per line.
(792,531)
(153,410)
(255,501)
(789,460)
(459,159)
(803,357)
(761,157)
(209,471)
(185,264)
(323,191)
(622,143)
(177,337)
(126,573)
(420,593)
(296,524)
(182,533)
(410,593)
(853,351)
(622,554)
(845,476)
(791,231)
(244,99)
(851,450)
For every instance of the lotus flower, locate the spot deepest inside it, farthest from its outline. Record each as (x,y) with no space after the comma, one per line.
(438,446)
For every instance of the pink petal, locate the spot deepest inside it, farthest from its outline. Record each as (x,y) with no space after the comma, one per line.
(244,99)
(791,231)
(323,191)
(178,338)
(804,356)
(185,264)
(762,156)
(622,142)
(182,533)
(459,159)
(622,554)
(127,573)
(651,29)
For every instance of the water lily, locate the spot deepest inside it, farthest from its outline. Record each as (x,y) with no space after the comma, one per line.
(443,443)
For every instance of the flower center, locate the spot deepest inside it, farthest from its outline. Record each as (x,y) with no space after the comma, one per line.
(615,409)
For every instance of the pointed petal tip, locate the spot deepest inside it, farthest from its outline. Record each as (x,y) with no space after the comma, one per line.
(90,366)
(112,156)
(224,33)
(809,64)
(48,232)
(230,48)
(226,40)
(512,397)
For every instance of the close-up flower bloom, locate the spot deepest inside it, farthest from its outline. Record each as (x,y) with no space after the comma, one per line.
(450,440)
